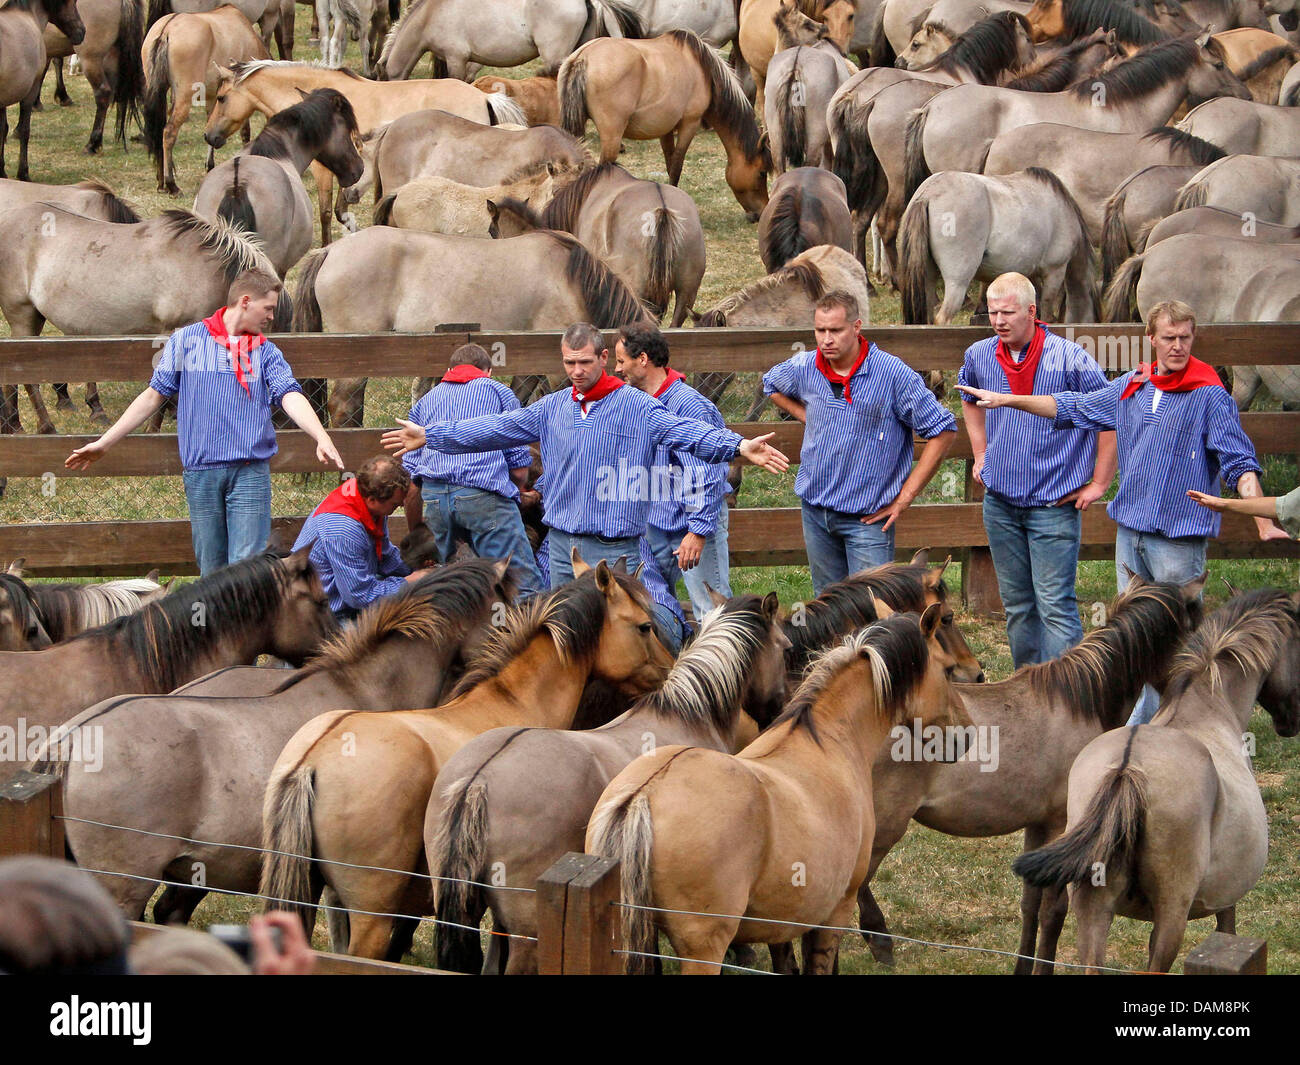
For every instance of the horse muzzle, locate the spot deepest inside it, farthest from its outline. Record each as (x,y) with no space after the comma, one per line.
(215,139)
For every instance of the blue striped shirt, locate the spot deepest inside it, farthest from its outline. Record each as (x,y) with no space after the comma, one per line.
(489,470)
(695,506)
(1025,462)
(1190,441)
(217,422)
(344,556)
(651,576)
(598,468)
(857,455)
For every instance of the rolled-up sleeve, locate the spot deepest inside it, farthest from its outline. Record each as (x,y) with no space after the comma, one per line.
(1226,438)
(279,378)
(781,378)
(166,379)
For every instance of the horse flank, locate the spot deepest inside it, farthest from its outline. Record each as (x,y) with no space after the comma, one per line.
(729,108)
(807,274)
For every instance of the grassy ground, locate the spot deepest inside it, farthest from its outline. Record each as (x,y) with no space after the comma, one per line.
(932,887)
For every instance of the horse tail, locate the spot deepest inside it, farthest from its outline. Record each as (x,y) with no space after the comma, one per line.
(383,215)
(608,18)
(854,161)
(915,168)
(307,316)
(114,208)
(608,301)
(914,261)
(573,95)
(785,238)
(129,90)
(625,830)
(157,82)
(503,109)
(348,10)
(1106,839)
(1115,247)
(394,11)
(1193,194)
(1120,301)
(670,230)
(794,125)
(459,856)
(157,9)
(288,838)
(235,207)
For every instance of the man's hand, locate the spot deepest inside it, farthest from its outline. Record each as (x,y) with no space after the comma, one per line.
(758,451)
(984,397)
(1084,497)
(1269,531)
(977,469)
(410,437)
(529,498)
(688,552)
(85,455)
(326,453)
(295,957)
(888,515)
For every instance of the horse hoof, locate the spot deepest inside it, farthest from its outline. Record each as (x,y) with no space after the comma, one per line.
(37,107)
(65,102)
(47,430)
(63,403)
(91,149)
(882,952)
(100,418)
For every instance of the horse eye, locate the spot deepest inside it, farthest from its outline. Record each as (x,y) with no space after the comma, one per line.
(221,99)
(645,628)
(947,619)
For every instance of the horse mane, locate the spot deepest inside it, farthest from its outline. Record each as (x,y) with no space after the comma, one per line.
(572,615)
(1246,632)
(1149,69)
(898,655)
(1046,177)
(565,206)
(525,211)
(391,36)
(985,50)
(707,683)
(806,273)
(1081,17)
(1100,677)
(69,608)
(1266,59)
(609,302)
(559,168)
(312,120)
(729,108)
(248,67)
(118,209)
(1053,73)
(236,249)
(1203,152)
(23,602)
(162,638)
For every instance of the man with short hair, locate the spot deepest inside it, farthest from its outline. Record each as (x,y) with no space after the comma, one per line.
(348,532)
(1037,482)
(860,407)
(227,377)
(473,496)
(1176,427)
(687,530)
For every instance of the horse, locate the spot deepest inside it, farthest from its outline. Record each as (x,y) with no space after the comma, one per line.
(1068,20)
(967,227)
(647,232)
(21,626)
(1071,153)
(1288,93)
(183,53)
(666,88)
(785,297)
(194,766)
(1136,205)
(799,798)
(368,22)
(1215,221)
(263,605)
(69,609)
(519,799)
(537,97)
(713,21)
(808,207)
(110,59)
(1043,715)
(441,205)
(268,198)
(805,79)
(1171,810)
(384,279)
(955,129)
(1260,59)
(270,87)
(22,43)
(1255,186)
(951,21)
(89,277)
(1243,127)
(266,14)
(768,26)
(502,33)
(368,807)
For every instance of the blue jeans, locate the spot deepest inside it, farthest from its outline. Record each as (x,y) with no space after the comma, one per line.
(840,544)
(1036,555)
(230,513)
(713,569)
(489,521)
(1155,558)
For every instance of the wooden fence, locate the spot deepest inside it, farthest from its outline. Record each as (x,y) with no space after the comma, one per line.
(758,537)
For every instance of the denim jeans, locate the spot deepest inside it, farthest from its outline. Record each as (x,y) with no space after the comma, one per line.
(840,544)
(489,521)
(230,512)
(713,569)
(1036,556)
(1155,558)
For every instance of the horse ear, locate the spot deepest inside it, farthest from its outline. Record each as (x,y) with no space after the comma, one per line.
(152,575)
(1231,589)
(771,605)
(930,620)
(301,91)
(1192,589)
(636,573)
(579,566)
(883,609)
(716,598)
(224,73)
(299,562)
(503,566)
(1130,575)
(934,576)
(921,558)
(16,567)
(621,565)
(604,577)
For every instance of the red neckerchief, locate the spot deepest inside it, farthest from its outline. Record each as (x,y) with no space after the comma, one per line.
(669,381)
(599,390)
(1194,375)
(239,346)
(1020,375)
(825,367)
(459,375)
(346,500)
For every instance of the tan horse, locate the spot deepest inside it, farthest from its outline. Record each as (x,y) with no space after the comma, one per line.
(270,87)
(181,53)
(1170,812)
(790,819)
(768,26)
(786,297)
(22,46)
(666,88)
(441,205)
(354,788)
(1260,59)
(538,97)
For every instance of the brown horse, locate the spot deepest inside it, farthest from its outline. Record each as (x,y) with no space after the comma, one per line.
(22,46)
(1170,813)
(790,819)
(1068,20)
(353,788)
(768,26)
(538,97)
(666,88)
(21,625)
(1260,59)
(808,207)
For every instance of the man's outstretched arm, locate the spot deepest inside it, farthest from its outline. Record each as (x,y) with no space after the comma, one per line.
(1043,406)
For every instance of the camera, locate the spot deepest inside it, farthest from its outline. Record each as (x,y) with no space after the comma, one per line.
(238,939)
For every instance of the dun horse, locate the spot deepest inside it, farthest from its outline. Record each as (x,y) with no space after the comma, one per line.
(807,208)
(66,610)
(22,46)
(21,626)
(1134,207)
(768,26)
(806,79)
(1243,127)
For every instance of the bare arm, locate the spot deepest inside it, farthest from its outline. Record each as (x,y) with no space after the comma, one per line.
(1249,489)
(926,466)
(792,407)
(973,415)
(298,408)
(142,407)
(1256,506)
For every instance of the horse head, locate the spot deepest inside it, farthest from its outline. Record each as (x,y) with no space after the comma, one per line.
(929,43)
(1210,75)
(1280,694)
(232,108)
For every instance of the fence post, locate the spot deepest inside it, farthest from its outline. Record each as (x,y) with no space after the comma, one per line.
(31,811)
(1225,955)
(979,581)
(577,921)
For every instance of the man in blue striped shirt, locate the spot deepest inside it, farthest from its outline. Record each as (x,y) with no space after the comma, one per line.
(598,441)
(1176,427)
(1037,482)
(688,517)
(860,407)
(348,534)
(475,497)
(227,377)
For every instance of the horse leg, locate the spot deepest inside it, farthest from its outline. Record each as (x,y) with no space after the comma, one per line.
(62,401)
(702,944)
(97,414)
(1094,910)
(1225,921)
(43,423)
(668,144)
(871,919)
(324,197)
(24,131)
(103,79)
(1167,933)
(336,919)
(685,134)
(176,905)
(1031,900)
(821,949)
(783,959)
(167,168)
(4,135)
(1051,919)
(61,96)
